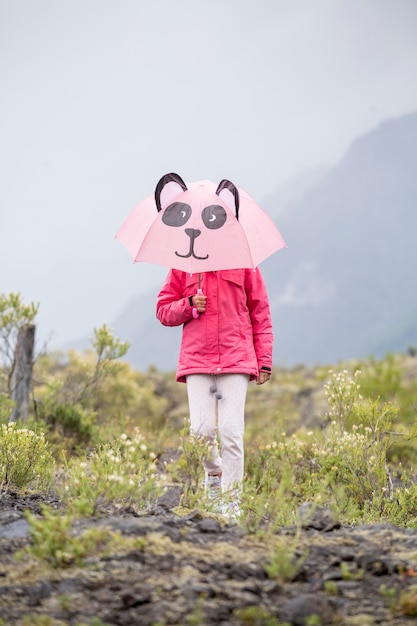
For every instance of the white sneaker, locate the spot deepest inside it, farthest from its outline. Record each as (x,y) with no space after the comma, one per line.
(231,511)
(213,486)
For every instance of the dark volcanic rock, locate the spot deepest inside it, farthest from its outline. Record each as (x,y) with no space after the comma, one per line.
(197,570)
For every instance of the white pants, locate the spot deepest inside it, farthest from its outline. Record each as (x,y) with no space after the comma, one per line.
(226,416)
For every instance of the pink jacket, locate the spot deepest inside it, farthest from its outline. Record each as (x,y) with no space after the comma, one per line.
(233,335)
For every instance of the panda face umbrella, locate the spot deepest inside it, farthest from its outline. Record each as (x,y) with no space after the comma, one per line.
(199,227)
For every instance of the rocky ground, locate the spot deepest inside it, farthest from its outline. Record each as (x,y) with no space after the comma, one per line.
(197,570)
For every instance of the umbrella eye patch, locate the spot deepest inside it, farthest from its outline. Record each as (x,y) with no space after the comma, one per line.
(213,216)
(176,214)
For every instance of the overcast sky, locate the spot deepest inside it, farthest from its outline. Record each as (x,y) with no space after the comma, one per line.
(100,98)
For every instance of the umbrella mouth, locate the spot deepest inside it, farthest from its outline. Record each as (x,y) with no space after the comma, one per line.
(193,233)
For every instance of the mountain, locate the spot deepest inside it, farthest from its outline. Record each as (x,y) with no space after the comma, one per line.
(345,287)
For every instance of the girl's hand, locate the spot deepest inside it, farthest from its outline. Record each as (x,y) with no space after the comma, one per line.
(199,301)
(263,377)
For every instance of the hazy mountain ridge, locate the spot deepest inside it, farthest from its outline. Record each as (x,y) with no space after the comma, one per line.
(345,287)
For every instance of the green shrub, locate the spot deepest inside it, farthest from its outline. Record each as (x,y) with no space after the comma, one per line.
(284,564)
(6,408)
(343,467)
(188,469)
(119,473)
(342,392)
(381,379)
(67,426)
(54,542)
(25,458)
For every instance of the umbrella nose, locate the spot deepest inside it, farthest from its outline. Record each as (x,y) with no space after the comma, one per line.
(193,232)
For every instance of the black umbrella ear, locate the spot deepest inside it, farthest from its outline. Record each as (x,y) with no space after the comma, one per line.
(225,188)
(176,186)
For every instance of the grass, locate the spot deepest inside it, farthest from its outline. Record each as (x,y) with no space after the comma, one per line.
(344,461)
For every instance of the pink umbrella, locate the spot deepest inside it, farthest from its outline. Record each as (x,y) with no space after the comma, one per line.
(199,227)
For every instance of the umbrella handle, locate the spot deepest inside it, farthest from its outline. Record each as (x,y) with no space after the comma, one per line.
(195,312)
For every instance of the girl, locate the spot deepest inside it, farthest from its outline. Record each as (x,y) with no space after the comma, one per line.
(226,342)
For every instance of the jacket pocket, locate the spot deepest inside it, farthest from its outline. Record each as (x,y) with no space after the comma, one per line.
(237,277)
